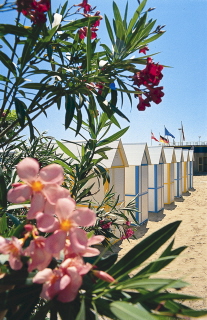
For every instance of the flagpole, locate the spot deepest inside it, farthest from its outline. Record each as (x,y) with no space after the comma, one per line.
(151,137)
(181,132)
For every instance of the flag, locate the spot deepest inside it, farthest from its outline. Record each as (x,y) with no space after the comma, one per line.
(167,133)
(153,137)
(162,139)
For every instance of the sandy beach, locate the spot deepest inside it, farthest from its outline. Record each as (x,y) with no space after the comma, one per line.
(191,265)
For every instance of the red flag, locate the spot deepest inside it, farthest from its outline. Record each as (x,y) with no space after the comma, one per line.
(153,137)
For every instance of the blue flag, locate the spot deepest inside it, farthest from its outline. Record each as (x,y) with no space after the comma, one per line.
(167,133)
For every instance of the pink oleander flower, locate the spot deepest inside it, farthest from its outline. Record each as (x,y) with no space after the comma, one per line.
(103,276)
(63,282)
(143,50)
(40,258)
(67,222)
(13,247)
(84,4)
(128,223)
(41,186)
(80,245)
(105,225)
(128,233)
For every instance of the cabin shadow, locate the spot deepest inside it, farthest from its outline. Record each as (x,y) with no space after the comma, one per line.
(192,189)
(179,199)
(170,207)
(140,231)
(156,216)
(186,194)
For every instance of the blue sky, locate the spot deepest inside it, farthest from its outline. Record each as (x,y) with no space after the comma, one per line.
(184,48)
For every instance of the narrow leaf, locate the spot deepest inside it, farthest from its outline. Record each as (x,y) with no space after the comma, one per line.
(66,150)
(124,310)
(20,110)
(70,109)
(3,190)
(7,62)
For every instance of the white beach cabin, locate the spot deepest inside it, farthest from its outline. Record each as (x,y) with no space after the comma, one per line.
(178,172)
(186,159)
(169,192)
(156,179)
(190,169)
(115,164)
(136,178)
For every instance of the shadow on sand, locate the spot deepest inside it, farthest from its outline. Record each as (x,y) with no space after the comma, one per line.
(179,199)
(156,216)
(186,194)
(171,206)
(192,189)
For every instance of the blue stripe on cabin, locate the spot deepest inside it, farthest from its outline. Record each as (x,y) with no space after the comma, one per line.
(155,185)
(137,190)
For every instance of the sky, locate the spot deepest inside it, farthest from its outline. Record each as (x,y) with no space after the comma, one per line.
(183,48)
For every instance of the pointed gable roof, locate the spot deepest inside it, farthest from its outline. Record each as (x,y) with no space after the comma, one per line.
(157,155)
(179,154)
(186,155)
(169,154)
(191,155)
(137,153)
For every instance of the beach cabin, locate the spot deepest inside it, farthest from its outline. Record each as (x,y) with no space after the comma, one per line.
(115,165)
(190,169)
(136,178)
(169,192)
(156,179)
(178,172)
(185,170)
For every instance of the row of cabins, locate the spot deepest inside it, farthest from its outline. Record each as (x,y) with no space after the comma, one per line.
(154,175)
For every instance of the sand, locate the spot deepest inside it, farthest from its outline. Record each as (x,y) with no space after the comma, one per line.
(191,265)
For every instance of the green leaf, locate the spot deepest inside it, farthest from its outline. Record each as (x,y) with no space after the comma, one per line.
(105,263)
(20,110)
(114,137)
(109,29)
(143,250)
(3,190)
(31,128)
(64,7)
(150,284)
(124,310)
(88,48)
(36,86)
(136,16)
(7,62)
(28,50)
(157,265)
(66,150)
(70,109)
(3,224)
(81,314)
(13,219)
(76,24)
(148,40)
(113,98)
(2,78)
(15,30)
